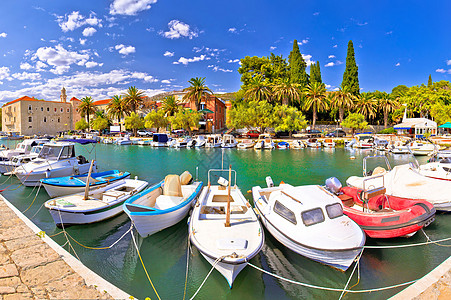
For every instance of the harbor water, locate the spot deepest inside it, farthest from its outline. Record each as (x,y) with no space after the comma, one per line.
(165,253)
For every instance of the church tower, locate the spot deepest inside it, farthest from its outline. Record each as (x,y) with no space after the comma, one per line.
(63,95)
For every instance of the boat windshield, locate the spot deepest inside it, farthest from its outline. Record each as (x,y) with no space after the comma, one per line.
(284,212)
(50,152)
(334,210)
(312,216)
(36,149)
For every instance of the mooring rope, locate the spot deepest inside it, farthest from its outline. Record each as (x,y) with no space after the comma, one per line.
(433,242)
(357,263)
(65,234)
(33,199)
(187,265)
(410,245)
(205,279)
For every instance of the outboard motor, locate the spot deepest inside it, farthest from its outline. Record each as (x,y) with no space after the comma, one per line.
(333,184)
(269,182)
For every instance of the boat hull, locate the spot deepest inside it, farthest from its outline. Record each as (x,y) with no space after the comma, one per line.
(229,271)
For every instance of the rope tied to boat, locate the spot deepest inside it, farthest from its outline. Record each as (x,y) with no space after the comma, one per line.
(33,199)
(208,275)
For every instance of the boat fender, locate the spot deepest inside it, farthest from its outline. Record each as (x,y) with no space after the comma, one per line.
(47,173)
(269,182)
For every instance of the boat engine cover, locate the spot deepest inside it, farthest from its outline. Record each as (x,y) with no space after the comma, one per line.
(333,184)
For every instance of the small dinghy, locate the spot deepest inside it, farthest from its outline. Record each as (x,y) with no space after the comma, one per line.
(283,145)
(313,143)
(297,144)
(67,185)
(164,204)
(381,215)
(246,144)
(309,221)
(93,206)
(224,228)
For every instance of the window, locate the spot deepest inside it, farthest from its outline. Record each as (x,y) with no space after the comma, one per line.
(45,119)
(30,119)
(284,212)
(42,108)
(62,109)
(59,120)
(54,109)
(30,108)
(68,110)
(334,210)
(67,152)
(48,108)
(313,216)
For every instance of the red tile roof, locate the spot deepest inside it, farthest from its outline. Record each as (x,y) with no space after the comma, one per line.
(24,98)
(101,102)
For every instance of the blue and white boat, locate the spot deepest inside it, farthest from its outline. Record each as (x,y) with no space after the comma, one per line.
(164,204)
(283,145)
(60,186)
(160,140)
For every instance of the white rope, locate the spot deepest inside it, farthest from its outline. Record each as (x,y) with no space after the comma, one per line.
(211,270)
(328,288)
(64,230)
(187,265)
(407,245)
(352,274)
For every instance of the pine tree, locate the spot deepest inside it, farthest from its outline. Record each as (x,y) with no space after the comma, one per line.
(315,73)
(430,81)
(297,67)
(351,74)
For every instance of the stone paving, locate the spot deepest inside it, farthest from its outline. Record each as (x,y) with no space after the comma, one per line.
(30,269)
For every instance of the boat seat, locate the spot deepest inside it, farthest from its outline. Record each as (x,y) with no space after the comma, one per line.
(112,195)
(186,178)
(368,194)
(164,202)
(172,186)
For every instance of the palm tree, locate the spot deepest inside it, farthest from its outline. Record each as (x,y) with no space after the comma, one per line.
(285,91)
(316,99)
(117,108)
(387,105)
(196,91)
(170,105)
(366,105)
(343,99)
(258,89)
(86,107)
(133,98)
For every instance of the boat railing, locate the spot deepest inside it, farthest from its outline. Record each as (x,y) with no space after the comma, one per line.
(365,173)
(224,171)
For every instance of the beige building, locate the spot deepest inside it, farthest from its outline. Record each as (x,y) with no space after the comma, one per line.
(30,116)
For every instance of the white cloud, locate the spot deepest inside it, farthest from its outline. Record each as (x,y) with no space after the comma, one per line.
(334,46)
(165,81)
(82,41)
(75,20)
(125,50)
(26,66)
(92,64)
(330,64)
(389,32)
(307,58)
(178,29)
(217,68)
(233,61)
(168,54)
(89,31)
(40,66)
(3,34)
(397,64)
(58,57)
(232,30)
(130,7)
(27,76)
(443,71)
(144,76)
(4,73)
(304,41)
(448,62)
(185,61)
(316,13)
(328,86)
(272,48)
(331,56)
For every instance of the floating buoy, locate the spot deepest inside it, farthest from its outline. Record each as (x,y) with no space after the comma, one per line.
(352,157)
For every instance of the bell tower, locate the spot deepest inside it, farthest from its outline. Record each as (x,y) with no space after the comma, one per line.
(63,95)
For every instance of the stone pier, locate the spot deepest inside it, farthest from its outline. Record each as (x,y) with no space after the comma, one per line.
(33,266)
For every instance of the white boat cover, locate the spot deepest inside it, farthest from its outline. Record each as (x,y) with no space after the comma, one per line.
(405,182)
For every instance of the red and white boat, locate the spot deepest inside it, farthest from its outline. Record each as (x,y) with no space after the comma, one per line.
(384,216)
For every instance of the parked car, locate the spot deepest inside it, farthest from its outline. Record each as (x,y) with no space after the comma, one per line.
(252,134)
(314,133)
(336,133)
(144,133)
(283,134)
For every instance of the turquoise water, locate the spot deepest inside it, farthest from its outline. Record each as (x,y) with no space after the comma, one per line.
(164,254)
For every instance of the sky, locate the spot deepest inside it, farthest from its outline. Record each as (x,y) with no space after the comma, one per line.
(100,48)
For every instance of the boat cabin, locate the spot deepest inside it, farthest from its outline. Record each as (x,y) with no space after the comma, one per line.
(160,138)
(57,151)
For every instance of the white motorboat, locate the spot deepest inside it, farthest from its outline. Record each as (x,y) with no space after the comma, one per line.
(264,141)
(213,141)
(438,166)
(23,147)
(405,181)
(200,141)
(144,142)
(246,144)
(164,204)
(309,221)
(328,143)
(421,147)
(313,143)
(55,160)
(224,227)
(363,142)
(18,160)
(228,141)
(297,144)
(160,140)
(399,147)
(123,141)
(380,144)
(95,205)
(108,140)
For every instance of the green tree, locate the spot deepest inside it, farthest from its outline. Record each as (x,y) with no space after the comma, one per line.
(269,68)
(86,108)
(288,118)
(81,125)
(343,100)
(351,74)
(134,122)
(156,119)
(254,113)
(366,105)
(185,119)
(258,89)
(134,98)
(355,121)
(430,81)
(398,91)
(297,67)
(100,123)
(387,105)
(316,99)
(315,73)
(117,108)
(441,113)
(197,91)
(170,105)
(286,91)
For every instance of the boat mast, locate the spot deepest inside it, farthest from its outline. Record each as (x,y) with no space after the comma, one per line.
(227,223)
(87,181)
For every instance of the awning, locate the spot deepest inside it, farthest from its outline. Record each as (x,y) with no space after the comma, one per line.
(446,125)
(206,111)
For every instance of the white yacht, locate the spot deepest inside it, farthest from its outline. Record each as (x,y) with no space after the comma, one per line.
(23,147)
(18,160)
(228,141)
(213,141)
(264,141)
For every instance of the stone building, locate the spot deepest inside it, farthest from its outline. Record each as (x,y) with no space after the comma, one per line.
(30,116)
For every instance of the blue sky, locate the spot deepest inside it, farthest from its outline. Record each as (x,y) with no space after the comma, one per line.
(100,48)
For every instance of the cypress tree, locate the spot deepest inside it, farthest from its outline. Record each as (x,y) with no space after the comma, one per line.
(430,81)
(315,73)
(297,66)
(351,74)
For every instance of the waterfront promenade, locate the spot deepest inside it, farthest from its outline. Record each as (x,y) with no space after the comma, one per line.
(34,267)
